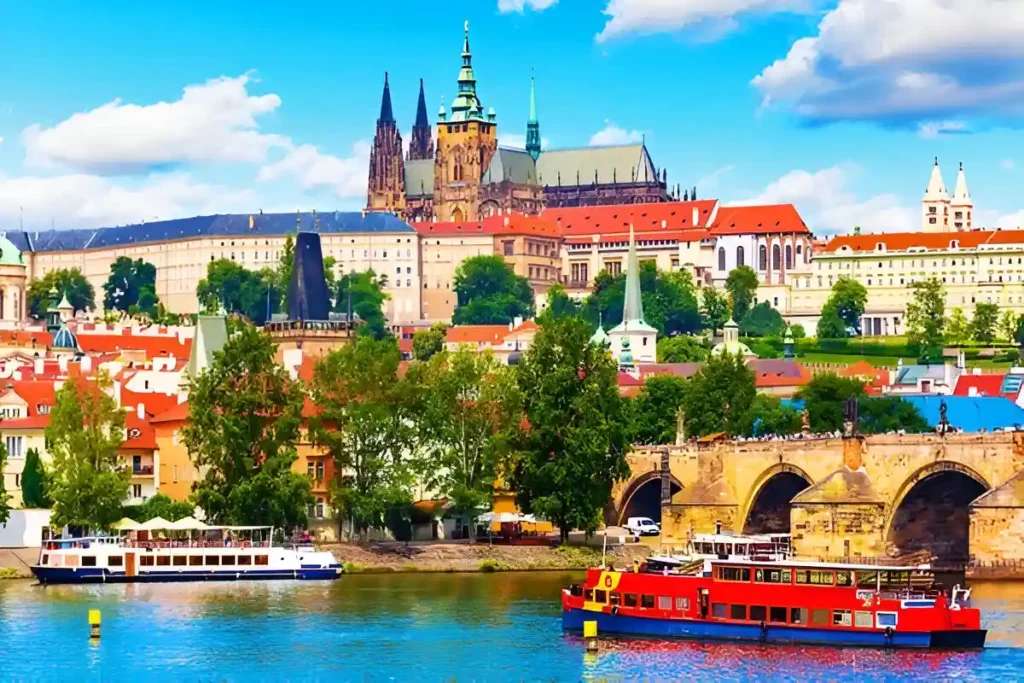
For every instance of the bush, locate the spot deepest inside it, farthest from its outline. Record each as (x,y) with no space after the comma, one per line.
(489,564)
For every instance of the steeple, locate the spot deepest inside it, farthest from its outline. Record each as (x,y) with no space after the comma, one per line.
(936,203)
(385,102)
(533,125)
(421,145)
(633,305)
(386,187)
(962,206)
(960,194)
(633,339)
(467,105)
(936,188)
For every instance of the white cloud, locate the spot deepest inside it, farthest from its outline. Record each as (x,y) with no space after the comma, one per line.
(81,200)
(828,207)
(904,63)
(212,122)
(1010,220)
(1,141)
(645,17)
(518,141)
(1008,164)
(520,5)
(613,135)
(932,129)
(710,182)
(313,170)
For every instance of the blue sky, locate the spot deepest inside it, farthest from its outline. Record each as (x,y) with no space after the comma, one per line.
(121,112)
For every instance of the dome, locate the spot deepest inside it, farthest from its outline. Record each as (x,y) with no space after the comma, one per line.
(10,255)
(732,348)
(64,339)
(600,337)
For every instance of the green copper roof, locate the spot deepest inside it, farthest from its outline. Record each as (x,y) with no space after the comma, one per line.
(620,163)
(419,178)
(9,254)
(211,335)
(467,106)
(514,165)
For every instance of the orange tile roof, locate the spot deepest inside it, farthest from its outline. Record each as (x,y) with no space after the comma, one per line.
(153,347)
(861,368)
(476,334)
(763,379)
(748,220)
(25,338)
(35,394)
(902,241)
(695,235)
(506,224)
(140,433)
(31,422)
(155,404)
(600,220)
(178,413)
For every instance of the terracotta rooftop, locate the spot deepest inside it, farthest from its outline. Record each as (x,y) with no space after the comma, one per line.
(505,224)
(748,220)
(645,218)
(904,241)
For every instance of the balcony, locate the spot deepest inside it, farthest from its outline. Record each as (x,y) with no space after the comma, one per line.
(142,470)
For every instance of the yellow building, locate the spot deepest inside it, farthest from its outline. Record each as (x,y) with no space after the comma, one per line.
(175,470)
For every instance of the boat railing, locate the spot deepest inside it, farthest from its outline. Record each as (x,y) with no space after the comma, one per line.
(164,544)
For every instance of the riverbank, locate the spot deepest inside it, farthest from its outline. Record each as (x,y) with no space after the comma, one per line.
(387,557)
(16,563)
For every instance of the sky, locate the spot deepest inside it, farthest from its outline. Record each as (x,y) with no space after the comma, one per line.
(118,112)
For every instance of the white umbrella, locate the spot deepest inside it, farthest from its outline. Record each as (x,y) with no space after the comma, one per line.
(125,524)
(187,524)
(155,524)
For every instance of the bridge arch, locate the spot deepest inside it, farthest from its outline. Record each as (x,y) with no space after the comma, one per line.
(931,510)
(769,499)
(642,497)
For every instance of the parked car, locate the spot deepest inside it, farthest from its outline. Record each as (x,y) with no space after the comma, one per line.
(643,526)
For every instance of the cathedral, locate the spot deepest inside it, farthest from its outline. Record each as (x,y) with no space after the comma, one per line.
(462,174)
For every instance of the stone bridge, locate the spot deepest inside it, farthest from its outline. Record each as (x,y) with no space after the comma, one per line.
(960,496)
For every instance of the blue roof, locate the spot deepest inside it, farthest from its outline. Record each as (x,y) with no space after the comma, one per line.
(970,413)
(64,339)
(206,226)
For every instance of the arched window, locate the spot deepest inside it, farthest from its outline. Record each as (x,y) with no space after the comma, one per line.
(721,258)
(776,257)
(762,258)
(789,257)
(739,257)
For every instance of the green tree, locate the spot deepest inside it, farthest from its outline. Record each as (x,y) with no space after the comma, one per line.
(66,281)
(830,325)
(5,508)
(329,263)
(762,321)
(714,309)
(285,266)
(669,300)
(244,418)
(770,417)
(683,348)
(926,318)
(426,343)
(35,482)
(367,422)
(471,403)
(239,290)
(160,506)
(720,398)
(880,414)
(983,326)
(848,299)
(823,399)
(1007,327)
(86,431)
(742,285)
(131,283)
(490,293)
(655,410)
(797,331)
(1018,336)
(559,305)
(958,329)
(572,447)
(366,290)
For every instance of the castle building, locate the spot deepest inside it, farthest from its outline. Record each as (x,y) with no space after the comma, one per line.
(465,175)
(939,212)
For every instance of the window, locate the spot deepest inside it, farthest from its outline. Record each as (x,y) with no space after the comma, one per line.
(647,601)
(885,619)
(814,577)
(777,615)
(763,575)
(737,611)
(262,560)
(682,604)
(195,560)
(319,469)
(739,257)
(136,490)
(863,620)
(629,600)
(819,617)
(789,257)
(163,560)
(179,560)
(601,596)
(14,445)
(588,594)
(842,617)
(734,573)
(115,561)
(776,257)
(843,578)
(721,258)
(88,560)
(719,609)
(227,560)
(244,560)
(664,602)
(509,246)
(758,613)
(146,561)
(762,258)
(212,560)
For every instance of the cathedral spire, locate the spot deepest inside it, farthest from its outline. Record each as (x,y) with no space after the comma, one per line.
(421,109)
(386,187)
(961,194)
(467,105)
(386,113)
(533,125)
(936,188)
(421,145)
(633,305)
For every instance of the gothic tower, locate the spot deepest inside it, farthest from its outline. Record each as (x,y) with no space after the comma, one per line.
(936,203)
(962,205)
(467,138)
(421,146)
(533,125)
(386,189)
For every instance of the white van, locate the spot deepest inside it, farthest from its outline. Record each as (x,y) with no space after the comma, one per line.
(643,526)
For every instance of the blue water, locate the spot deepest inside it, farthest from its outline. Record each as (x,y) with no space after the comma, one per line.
(417,627)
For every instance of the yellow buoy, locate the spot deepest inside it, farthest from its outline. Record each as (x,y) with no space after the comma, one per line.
(94,623)
(590,629)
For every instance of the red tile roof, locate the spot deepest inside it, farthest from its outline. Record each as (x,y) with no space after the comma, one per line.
(179,413)
(31,422)
(140,433)
(152,346)
(641,237)
(645,218)
(748,220)
(155,404)
(25,338)
(476,334)
(506,224)
(983,385)
(902,241)
(35,394)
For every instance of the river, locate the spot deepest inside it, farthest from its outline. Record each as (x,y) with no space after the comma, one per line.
(417,627)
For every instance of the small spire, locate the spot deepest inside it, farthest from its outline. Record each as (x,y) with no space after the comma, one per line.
(386,113)
(465,44)
(421,109)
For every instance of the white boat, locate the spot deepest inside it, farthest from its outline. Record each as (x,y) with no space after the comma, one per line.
(172,551)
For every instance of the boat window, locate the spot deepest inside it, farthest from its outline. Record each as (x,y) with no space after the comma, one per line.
(245,559)
(601,596)
(664,602)
(683,604)
(734,573)
(588,594)
(758,613)
(763,575)
(88,560)
(707,549)
(647,601)
(163,560)
(798,615)
(228,559)
(819,617)
(629,600)
(45,560)
(262,560)
(884,619)
(719,548)
(842,617)
(212,560)
(843,578)
(146,561)
(719,609)
(867,579)
(777,614)
(895,579)
(737,611)
(195,560)
(814,577)
(863,619)
(70,560)
(741,549)
(728,548)
(115,561)
(179,560)
(614,598)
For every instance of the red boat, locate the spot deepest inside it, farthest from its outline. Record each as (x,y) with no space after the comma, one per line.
(775,602)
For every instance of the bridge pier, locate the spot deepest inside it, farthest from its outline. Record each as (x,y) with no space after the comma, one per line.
(997,532)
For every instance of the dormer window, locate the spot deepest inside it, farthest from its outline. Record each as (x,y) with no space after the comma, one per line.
(880,246)
(954,244)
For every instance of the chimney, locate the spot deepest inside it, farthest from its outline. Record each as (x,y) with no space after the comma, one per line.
(696,217)
(86,363)
(38,366)
(141,410)
(517,321)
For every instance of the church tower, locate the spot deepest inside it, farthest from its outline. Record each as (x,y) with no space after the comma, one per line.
(936,203)
(421,146)
(962,206)
(633,340)
(386,189)
(533,125)
(467,138)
